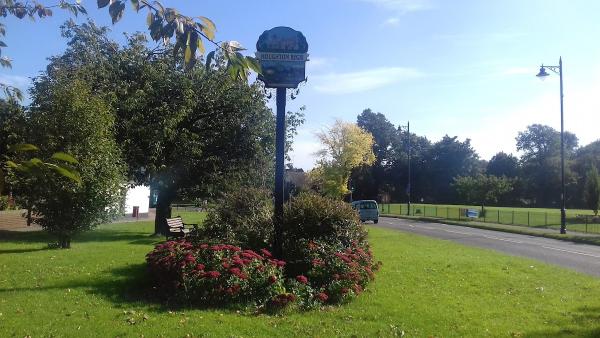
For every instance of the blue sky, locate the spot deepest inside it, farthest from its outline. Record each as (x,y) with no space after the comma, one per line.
(464,68)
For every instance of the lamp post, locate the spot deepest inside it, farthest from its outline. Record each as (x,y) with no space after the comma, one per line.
(542,74)
(408,187)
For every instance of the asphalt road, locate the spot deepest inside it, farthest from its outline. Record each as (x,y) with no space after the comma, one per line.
(580,257)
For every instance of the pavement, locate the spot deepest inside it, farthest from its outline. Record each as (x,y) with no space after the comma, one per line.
(579,257)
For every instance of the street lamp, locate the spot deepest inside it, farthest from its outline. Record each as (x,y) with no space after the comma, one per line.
(408,187)
(542,75)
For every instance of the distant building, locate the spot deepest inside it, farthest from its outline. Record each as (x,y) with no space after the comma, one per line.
(138,198)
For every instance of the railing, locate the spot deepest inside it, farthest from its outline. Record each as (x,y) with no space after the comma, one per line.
(537,219)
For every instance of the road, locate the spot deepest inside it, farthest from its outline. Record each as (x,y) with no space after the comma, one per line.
(580,257)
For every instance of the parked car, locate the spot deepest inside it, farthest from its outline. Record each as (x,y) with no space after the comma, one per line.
(367,210)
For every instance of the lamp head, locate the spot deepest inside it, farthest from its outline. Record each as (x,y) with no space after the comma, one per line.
(542,74)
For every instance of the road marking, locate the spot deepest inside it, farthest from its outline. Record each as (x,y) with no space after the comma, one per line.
(503,239)
(569,251)
(457,232)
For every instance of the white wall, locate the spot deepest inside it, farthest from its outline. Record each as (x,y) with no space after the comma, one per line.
(137,196)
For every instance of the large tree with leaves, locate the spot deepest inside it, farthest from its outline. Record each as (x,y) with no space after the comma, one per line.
(184,131)
(345,146)
(67,115)
(482,189)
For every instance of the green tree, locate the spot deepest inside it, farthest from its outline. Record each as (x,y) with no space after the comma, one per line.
(345,146)
(541,164)
(482,189)
(503,164)
(67,115)
(592,190)
(370,181)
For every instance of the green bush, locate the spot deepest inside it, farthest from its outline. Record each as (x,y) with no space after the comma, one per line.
(311,217)
(3,203)
(243,217)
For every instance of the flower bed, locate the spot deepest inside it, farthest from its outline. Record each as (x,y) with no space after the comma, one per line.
(226,274)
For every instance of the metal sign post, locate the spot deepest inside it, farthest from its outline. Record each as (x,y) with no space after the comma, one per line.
(282,53)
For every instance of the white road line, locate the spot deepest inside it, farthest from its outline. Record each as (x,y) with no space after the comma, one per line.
(457,232)
(569,251)
(503,239)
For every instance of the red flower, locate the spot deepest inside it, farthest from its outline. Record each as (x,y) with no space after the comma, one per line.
(323,297)
(280,263)
(345,291)
(302,279)
(272,279)
(235,271)
(200,267)
(266,253)
(203,246)
(357,288)
(226,265)
(213,274)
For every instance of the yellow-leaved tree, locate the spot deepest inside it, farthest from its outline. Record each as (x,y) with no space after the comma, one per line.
(345,146)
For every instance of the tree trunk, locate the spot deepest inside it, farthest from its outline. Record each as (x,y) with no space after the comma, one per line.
(64,242)
(163,211)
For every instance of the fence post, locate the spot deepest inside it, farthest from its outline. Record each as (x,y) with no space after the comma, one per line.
(499,216)
(586,223)
(546,218)
(484,215)
(528,218)
(513,218)
(436,214)
(459,214)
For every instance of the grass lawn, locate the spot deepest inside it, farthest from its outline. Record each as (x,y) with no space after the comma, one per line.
(425,288)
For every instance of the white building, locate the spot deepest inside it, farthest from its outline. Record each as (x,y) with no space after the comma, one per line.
(138,196)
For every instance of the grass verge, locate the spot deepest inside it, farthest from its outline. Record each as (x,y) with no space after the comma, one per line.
(426,287)
(577,238)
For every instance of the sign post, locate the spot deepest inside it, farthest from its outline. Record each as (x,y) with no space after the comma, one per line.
(282,53)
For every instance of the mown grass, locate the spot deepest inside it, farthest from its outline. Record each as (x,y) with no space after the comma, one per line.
(426,287)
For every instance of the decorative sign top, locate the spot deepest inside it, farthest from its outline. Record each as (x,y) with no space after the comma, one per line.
(282,53)
(282,40)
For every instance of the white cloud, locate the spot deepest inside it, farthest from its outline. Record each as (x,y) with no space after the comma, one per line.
(18,81)
(391,22)
(403,6)
(360,81)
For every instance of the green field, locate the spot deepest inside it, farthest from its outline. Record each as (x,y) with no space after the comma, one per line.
(531,217)
(426,287)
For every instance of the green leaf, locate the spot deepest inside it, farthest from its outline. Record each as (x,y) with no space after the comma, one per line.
(188,55)
(60,156)
(21,147)
(149,19)
(103,3)
(67,172)
(201,46)
(116,10)
(253,64)
(208,23)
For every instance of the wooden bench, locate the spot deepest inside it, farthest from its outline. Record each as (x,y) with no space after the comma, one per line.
(177,228)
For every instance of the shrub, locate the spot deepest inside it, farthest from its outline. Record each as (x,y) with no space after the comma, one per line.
(244,217)
(3,202)
(217,274)
(335,274)
(311,217)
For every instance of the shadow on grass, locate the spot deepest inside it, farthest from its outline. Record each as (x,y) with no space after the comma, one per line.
(584,322)
(98,235)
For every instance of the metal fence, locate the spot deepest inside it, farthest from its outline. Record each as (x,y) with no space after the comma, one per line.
(536,219)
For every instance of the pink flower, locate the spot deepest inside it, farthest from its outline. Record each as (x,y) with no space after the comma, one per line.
(200,267)
(323,297)
(302,279)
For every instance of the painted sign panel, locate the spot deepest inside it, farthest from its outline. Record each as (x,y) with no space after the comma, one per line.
(282,53)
